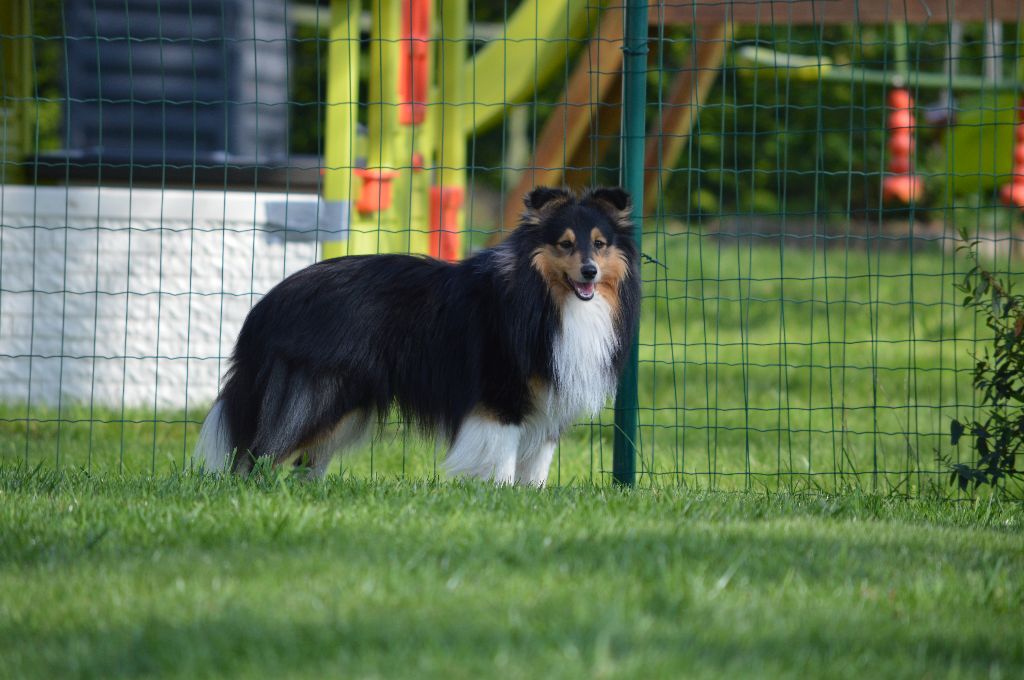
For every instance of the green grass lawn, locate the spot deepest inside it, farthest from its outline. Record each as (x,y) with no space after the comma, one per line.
(763,365)
(179,576)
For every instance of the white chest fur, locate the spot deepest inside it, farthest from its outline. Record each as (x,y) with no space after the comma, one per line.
(583,381)
(583,360)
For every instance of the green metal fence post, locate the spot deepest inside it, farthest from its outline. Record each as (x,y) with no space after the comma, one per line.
(631,171)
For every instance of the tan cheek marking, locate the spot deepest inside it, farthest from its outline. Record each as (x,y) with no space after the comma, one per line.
(547,266)
(614,270)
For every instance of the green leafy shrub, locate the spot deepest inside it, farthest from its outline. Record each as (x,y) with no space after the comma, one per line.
(998,434)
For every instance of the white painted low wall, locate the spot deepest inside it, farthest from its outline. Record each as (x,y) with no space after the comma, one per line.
(136,295)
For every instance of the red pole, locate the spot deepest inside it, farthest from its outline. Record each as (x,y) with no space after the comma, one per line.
(415,47)
(444,222)
(900,183)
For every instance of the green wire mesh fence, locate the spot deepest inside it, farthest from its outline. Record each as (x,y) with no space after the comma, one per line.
(804,169)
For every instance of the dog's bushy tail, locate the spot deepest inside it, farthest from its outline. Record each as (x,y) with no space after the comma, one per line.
(214,449)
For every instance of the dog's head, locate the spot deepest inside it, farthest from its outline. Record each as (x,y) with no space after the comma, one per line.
(582,245)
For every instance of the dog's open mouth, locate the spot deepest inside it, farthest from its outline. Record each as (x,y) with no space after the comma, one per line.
(584,291)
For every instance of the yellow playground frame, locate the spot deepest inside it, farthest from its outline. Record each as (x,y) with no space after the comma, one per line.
(395,204)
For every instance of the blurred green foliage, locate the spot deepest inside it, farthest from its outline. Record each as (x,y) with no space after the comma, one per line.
(47,21)
(806,148)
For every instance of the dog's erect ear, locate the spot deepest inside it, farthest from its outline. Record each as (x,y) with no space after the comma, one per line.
(536,200)
(540,201)
(617,203)
(614,196)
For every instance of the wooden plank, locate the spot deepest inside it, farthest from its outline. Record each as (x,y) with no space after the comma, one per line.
(605,128)
(596,72)
(689,90)
(797,12)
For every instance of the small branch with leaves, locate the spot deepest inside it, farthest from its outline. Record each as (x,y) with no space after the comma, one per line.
(998,432)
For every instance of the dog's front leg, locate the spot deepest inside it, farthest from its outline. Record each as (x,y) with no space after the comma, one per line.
(484,448)
(534,461)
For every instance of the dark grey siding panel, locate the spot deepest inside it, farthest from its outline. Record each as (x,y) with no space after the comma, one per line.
(177,80)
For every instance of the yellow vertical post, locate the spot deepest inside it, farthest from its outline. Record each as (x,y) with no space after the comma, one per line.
(340,124)
(413,182)
(453,63)
(374,228)
(425,138)
(446,218)
(417,213)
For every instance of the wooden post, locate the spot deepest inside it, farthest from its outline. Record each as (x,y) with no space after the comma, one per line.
(817,12)
(596,73)
(605,126)
(689,90)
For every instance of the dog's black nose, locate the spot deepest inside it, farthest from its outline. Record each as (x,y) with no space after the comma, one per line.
(589,271)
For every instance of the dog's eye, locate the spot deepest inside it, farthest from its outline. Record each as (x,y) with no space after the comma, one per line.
(599,244)
(566,244)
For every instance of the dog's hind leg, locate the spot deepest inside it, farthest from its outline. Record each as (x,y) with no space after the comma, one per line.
(290,408)
(213,450)
(484,448)
(353,429)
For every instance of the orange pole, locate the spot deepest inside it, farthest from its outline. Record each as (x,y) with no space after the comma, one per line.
(901,184)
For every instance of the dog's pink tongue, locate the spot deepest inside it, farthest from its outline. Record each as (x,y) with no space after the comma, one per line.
(585,289)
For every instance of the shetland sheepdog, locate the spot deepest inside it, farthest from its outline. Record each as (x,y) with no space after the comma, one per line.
(496,354)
